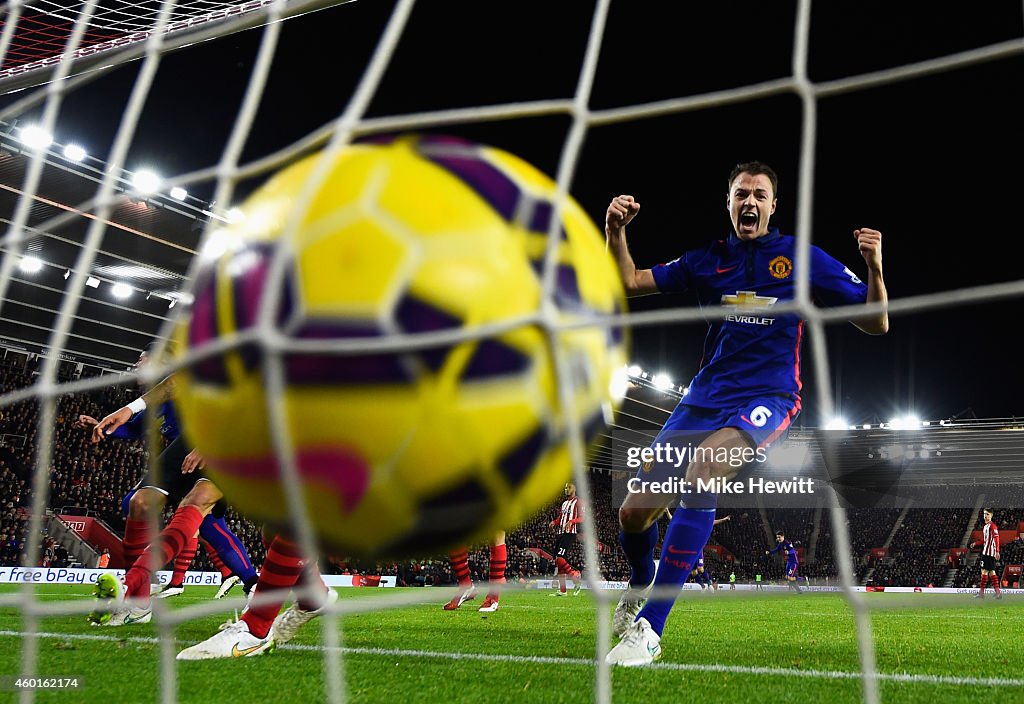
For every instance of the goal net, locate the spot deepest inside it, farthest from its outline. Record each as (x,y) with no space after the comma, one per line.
(600,96)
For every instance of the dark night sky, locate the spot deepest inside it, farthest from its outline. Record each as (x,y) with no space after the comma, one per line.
(935,163)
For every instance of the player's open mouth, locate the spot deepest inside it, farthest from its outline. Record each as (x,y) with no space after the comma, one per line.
(748,219)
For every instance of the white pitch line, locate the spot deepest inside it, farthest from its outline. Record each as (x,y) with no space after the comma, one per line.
(905,678)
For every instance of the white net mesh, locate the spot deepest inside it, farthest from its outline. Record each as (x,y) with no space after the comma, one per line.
(575,121)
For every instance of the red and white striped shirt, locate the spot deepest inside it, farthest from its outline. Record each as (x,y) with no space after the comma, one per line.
(990,539)
(572,515)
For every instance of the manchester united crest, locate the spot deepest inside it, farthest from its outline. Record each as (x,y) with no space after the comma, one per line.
(780,267)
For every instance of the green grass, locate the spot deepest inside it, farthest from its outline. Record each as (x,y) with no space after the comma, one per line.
(723,648)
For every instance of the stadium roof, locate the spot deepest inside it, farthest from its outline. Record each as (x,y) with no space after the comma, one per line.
(147,244)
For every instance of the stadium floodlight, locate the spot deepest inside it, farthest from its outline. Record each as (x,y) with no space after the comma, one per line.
(619,384)
(73,152)
(146,182)
(866,426)
(30,265)
(179,193)
(907,422)
(686,390)
(215,245)
(836,424)
(235,215)
(92,282)
(35,137)
(662,382)
(120,290)
(634,370)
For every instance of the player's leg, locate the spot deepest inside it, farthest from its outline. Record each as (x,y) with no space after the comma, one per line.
(496,572)
(684,542)
(182,561)
(562,565)
(251,635)
(185,523)
(641,510)
(228,547)
(791,577)
(993,579)
(312,599)
(146,502)
(459,558)
(141,506)
(227,580)
(983,581)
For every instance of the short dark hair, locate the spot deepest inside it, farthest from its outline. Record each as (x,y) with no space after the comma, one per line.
(781,533)
(987,510)
(754,168)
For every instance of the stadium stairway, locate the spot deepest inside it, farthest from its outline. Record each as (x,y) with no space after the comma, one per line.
(812,548)
(79,551)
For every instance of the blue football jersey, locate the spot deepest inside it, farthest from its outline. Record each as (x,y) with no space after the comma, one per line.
(169,426)
(753,354)
(787,549)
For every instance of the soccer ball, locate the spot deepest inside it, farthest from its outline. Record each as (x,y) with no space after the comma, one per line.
(400,447)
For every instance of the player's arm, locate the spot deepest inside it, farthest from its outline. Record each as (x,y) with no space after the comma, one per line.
(869,242)
(621,211)
(154,397)
(720,520)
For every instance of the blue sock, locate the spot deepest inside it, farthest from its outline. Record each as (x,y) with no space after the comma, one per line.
(685,538)
(228,547)
(639,549)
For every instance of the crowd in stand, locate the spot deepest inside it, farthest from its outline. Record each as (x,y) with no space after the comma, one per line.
(91,479)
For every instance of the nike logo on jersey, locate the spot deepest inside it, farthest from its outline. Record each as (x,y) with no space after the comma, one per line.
(720,270)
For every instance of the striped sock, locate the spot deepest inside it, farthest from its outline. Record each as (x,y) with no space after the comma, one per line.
(183,560)
(460,565)
(310,580)
(564,568)
(215,560)
(165,548)
(136,538)
(279,574)
(496,571)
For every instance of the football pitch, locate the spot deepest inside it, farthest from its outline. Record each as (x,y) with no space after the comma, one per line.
(720,647)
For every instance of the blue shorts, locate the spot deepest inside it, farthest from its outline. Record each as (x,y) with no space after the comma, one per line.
(764,421)
(791,566)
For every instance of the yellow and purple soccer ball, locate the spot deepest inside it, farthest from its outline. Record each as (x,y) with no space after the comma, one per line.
(400,449)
